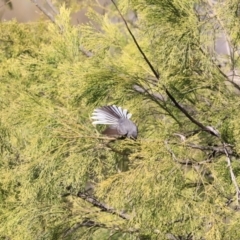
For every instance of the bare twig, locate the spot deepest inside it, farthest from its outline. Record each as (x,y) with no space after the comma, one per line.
(55,10)
(85,52)
(234,180)
(42,9)
(187,161)
(142,90)
(136,43)
(86,223)
(231,48)
(93,137)
(185,112)
(157,98)
(92,224)
(217,149)
(171,152)
(230,78)
(227,78)
(102,206)
(228,40)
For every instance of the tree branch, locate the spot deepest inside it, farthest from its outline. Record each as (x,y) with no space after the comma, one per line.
(142,90)
(234,180)
(227,77)
(135,41)
(102,206)
(220,150)
(157,98)
(185,112)
(85,223)
(42,9)
(208,129)
(92,224)
(55,10)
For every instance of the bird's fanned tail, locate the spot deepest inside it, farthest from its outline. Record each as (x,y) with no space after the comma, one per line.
(109,115)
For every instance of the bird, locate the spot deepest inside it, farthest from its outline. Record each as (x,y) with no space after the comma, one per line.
(118,119)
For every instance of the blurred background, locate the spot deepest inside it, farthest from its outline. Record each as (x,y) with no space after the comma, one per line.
(26,10)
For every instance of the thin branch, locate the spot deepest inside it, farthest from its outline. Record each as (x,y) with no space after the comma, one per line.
(183,110)
(221,72)
(216,149)
(187,161)
(55,10)
(157,98)
(234,180)
(42,9)
(171,152)
(135,41)
(93,137)
(230,78)
(142,90)
(195,163)
(86,223)
(85,52)
(228,40)
(208,129)
(229,46)
(102,206)
(92,224)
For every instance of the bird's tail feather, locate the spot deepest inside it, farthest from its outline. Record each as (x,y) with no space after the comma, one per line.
(109,115)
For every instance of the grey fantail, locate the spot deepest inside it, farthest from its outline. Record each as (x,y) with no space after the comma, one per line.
(118,120)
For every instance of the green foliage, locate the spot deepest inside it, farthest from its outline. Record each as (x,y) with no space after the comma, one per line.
(174,181)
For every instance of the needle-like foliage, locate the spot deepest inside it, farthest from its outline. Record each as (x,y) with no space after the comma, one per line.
(174,66)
